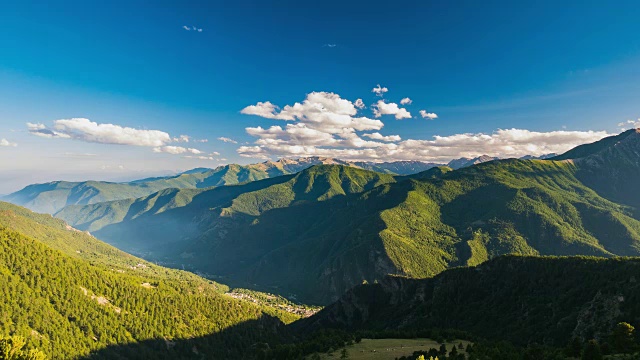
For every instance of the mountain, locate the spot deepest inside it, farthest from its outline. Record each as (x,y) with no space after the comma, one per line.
(71,295)
(523,300)
(539,157)
(52,197)
(396,167)
(320,232)
(466,162)
(610,166)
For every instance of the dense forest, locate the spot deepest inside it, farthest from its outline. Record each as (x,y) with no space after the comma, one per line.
(69,306)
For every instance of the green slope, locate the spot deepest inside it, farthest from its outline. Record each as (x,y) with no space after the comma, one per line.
(70,295)
(328,228)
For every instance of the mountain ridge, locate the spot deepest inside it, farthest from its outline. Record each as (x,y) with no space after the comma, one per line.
(52,196)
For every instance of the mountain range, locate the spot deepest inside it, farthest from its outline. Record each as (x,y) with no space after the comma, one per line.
(473,250)
(319,232)
(53,196)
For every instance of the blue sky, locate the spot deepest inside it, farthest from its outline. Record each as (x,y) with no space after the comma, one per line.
(555,69)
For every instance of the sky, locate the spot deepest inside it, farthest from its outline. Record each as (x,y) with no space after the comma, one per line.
(120,90)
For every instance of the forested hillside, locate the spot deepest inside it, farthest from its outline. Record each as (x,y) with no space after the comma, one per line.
(70,295)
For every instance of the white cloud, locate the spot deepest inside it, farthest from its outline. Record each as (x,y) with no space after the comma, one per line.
(42,131)
(379,90)
(325,124)
(322,111)
(501,143)
(263,109)
(89,131)
(359,104)
(175,150)
(182,138)
(5,142)
(323,119)
(201,140)
(192,28)
(227,140)
(629,124)
(378,136)
(330,45)
(428,115)
(406,101)
(382,108)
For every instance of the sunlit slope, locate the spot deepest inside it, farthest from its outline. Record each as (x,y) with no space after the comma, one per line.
(69,294)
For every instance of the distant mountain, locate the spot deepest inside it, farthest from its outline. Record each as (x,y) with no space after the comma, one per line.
(524,300)
(52,197)
(396,167)
(330,227)
(466,162)
(540,157)
(71,295)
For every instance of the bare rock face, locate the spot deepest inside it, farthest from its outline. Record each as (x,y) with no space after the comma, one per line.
(597,318)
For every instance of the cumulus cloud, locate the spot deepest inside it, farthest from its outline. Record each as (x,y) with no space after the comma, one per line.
(5,142)
(227,140)
(428,115)
(325,124)
(359,104)
(379,90)
(321,111)
(182,138)
(630,124)
(330,45)
(263,109)
(315,131)
(406,101)
(89,131)
(176,150)
(382,108)
(323,119)
(378,136)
